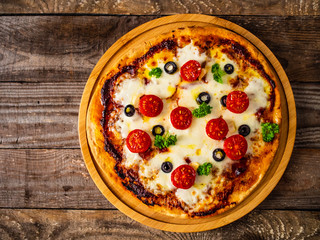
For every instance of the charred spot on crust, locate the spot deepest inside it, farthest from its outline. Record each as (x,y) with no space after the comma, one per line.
(119,171)
(132,183)
(140,192)
(165,44)
(103,119)
(224,202)
(206,213)
(241,50)
(109,147)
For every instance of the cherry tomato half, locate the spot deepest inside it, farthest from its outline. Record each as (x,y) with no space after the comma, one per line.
(235,147)
(217,129)
(190,71)
(181,118)
(237,102)
(138,141)
(150,105)
(183,176)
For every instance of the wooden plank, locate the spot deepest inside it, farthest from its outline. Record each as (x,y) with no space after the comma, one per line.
(41,178)
(76,224)
(44,115)
(58,178)
(299,185)
(57,49)
(39,115)
(147,7)
(66,48)
(307,100)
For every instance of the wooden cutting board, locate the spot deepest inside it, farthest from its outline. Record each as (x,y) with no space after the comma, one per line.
(134,208)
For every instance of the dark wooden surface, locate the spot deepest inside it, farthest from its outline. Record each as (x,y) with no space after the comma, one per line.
(151,7)
(45,189)
(111,224)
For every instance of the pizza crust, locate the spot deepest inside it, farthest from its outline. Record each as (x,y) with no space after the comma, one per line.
(107,162)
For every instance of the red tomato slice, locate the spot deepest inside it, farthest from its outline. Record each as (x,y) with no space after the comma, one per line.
(150,105)
(190,71)
(237,102)
(183,177)
(235,147)
(217,129)
(138,141)
(181,118)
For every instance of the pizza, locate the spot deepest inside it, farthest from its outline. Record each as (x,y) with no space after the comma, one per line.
(188,123)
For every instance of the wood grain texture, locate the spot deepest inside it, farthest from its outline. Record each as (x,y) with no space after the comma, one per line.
(66,48)
(44,64)
(58,178)
(77,224)
(39,115)
(299,185)
(39,178)
(152,7)
(44,115)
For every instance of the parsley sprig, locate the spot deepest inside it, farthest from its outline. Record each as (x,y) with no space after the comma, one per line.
(217,73)
(202,110)
(155,72)
(269,130)
(204,169)
(165,141)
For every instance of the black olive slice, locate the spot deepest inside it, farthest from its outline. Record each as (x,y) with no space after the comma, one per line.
(157,130)
(203,97)
(170,67)
(228,68)
(223,100)
(129,110)
(218,154)
(244,130)
(166,167)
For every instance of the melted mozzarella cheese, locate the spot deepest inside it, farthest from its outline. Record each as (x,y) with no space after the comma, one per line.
(260,100)
(165,85)
(130,90)
(187,53)
(131,158)
(192,143)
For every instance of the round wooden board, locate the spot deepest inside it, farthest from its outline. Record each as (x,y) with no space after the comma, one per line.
(139,211)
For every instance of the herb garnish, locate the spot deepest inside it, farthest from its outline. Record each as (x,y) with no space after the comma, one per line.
(202,110)
(268,131)
(155,72)
(204,169)
(165,141)
(217,73)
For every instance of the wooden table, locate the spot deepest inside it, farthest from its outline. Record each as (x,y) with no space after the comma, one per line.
(47,51)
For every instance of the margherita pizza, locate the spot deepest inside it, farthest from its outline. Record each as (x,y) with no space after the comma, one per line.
(188,125)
